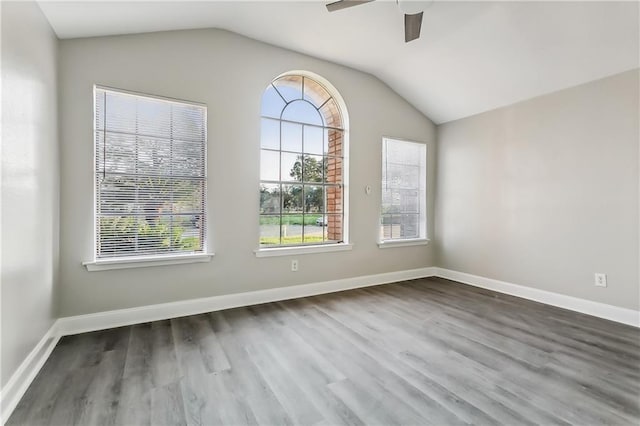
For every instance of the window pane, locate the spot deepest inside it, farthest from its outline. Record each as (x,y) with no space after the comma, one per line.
(333,170)
(313,170)
(400,201)
(313,199)
(313,233)
(401,176)
(390,201)
(272,103)
(405,153)
(302,112)
(409,226)
(309,198)
(150,197)
(315,93)
(391,225)
(270,198)
(188,122)
(334,141)
(291,229)
(290,87)
(187,233)
(269,230)
(120,112)
(150,175)
(333,201)
(118,235)
(334,227)
(324,229)
(291,167)
(154,156)
(164,234)
(270,134)
(154,118)
(118,154)
(410,201)
(118,195)
(188,159)
(269,165)
(187,196)
(292,198)
(100,97)
(331,114)
(292,137)
(313,140)
(403,190)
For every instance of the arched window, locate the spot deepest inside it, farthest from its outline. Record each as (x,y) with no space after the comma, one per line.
(302,163)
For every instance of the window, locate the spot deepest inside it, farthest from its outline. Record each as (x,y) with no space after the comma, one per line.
(150,178)
(404,195)
(302,164)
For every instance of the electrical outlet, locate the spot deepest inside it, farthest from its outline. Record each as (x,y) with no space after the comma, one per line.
(294,265)
(601,280)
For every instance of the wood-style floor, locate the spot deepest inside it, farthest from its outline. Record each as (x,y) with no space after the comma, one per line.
(421,352)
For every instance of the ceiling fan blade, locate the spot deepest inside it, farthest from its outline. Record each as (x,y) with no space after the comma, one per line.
(412,25)
(343,4)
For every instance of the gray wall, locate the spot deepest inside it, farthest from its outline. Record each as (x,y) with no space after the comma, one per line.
(544,193)
(30,181)
(228,73)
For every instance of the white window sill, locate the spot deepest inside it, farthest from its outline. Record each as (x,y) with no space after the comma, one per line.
(143,262)
(403,243)
(290,251)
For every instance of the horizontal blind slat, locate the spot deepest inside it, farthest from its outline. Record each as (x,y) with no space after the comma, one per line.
(150,175)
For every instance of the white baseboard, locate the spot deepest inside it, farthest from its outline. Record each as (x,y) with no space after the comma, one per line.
(19,382)
(17,385)
(596,309)
(24,375)
(122,317)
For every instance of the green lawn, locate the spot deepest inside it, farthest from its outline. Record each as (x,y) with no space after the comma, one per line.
(295,239)
(290,219)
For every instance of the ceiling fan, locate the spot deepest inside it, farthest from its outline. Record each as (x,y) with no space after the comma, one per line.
(412,21)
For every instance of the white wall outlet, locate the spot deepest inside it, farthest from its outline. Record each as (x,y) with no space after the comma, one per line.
(601,280)
(294,265)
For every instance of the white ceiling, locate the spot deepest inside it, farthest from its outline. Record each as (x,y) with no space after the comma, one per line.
(472,56)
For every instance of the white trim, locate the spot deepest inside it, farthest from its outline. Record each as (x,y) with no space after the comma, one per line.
(589,307)
(403,243)
(147,95)
(26,372)
(140,262)
(290,251)
(122,317)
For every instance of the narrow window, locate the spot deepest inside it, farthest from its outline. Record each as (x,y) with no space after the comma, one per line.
(150,175)
(302,164)
(404,195)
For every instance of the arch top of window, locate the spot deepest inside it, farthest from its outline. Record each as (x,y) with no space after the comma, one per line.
(294,97)
(302,112)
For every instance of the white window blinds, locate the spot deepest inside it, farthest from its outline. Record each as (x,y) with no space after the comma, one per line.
(404,195)
(150,175)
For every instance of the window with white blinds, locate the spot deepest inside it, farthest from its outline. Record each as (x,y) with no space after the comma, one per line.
(150,182)
(404,194)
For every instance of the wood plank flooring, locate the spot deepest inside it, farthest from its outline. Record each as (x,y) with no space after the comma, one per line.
(421,352)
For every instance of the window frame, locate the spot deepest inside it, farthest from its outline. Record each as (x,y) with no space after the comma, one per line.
(423,232)
(155,259)
(308,248)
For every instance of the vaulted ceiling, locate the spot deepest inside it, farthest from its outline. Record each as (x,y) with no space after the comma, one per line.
(472,56)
